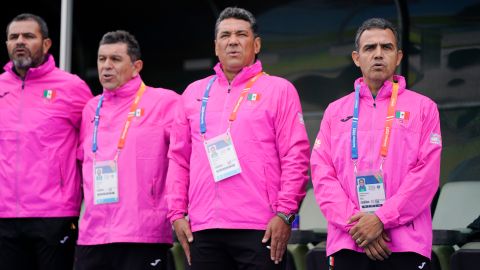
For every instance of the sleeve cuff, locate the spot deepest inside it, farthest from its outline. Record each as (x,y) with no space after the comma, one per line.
(176,217)
(385,219)
(285,210)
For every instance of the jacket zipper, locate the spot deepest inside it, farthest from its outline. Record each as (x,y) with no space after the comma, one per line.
(225,105)
(114,101)
(372,137)
(20,118)
(108,221)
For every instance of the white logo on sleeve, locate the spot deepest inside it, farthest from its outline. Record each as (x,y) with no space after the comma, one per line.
(435,138)
(422,265)
(155,262)
(317,143)
(300,119)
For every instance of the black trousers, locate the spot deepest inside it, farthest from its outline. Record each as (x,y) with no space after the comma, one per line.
(122,256)
(37,243)
(346,259)
(231,250)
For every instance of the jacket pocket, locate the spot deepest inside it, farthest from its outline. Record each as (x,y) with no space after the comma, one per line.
(151,161)
(55,171)
(147,175)
(61,171)
(272,187)
(8,146)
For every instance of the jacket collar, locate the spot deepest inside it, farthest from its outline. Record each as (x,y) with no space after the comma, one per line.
(385,91)
(244,75)
(36,72)
(127,90)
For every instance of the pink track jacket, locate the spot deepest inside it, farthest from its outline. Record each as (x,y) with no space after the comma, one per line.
(411,169)
(39,123)
(140,216)
(271,144)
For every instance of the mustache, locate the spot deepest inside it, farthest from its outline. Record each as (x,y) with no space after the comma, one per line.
(20,46)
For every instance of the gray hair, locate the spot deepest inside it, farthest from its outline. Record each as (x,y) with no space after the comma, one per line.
(122,36)
(31,17)
(237,13)
(376,23)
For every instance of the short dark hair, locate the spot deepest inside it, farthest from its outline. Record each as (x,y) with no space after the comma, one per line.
(122,36)
(237,13)
(376,23)
(31,17)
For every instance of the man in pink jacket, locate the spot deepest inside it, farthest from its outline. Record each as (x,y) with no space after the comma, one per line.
(125,136)
(239,157)
(40,111)
(376,163)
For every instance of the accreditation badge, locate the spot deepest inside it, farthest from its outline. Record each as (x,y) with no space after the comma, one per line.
(105,182)
(370,191)
(222,157)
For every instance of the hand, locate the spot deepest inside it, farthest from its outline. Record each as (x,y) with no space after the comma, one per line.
(184,236)
(368,228)
(279,232)
(378,249)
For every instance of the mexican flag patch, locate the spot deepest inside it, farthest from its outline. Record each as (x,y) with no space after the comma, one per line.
(139,112)
(402,115)
(253,97)
(49,94)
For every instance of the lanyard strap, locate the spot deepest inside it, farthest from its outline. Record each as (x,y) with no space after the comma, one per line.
(96,121)
(233,115)
(131,114)
(243,94)
(203,109)
(353,136)
(388,123)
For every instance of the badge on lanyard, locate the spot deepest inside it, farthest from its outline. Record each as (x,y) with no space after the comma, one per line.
(105,182)
(370,191)
(370,186)
(220,149)
(222,157)
(105,173)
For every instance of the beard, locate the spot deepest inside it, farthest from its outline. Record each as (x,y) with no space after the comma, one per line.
(22,63)
(28,60)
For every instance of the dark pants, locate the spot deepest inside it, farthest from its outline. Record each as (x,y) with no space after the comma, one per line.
(231,250)
(122,256)
(37,243)
(348,259)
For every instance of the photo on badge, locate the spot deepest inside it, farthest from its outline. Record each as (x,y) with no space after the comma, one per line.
(361,184)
